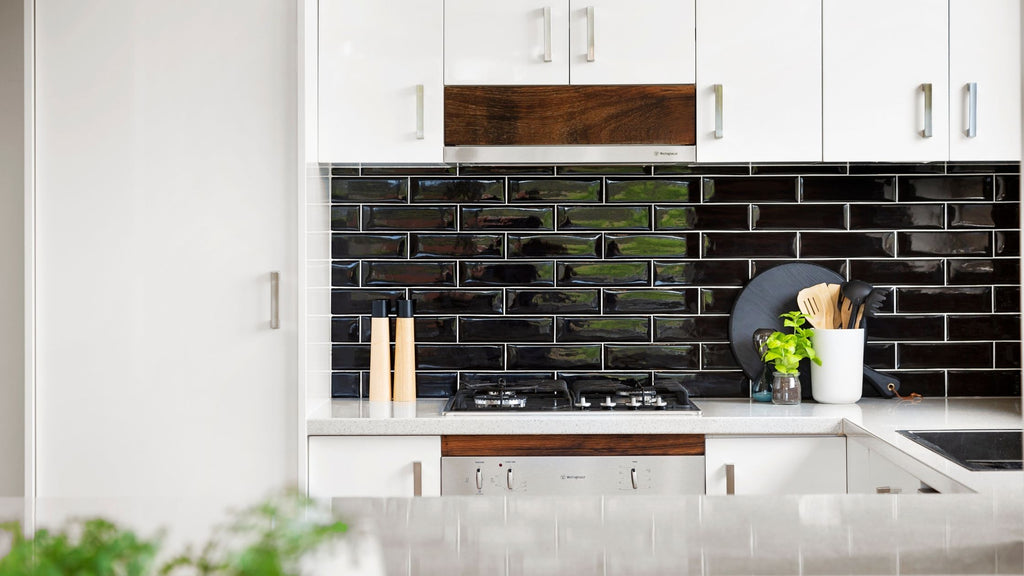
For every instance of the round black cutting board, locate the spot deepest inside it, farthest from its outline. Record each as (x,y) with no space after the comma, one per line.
(761,302)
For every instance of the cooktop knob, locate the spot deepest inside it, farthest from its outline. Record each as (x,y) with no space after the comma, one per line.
(660,402)
(634,402)
(583,402)
(608,403)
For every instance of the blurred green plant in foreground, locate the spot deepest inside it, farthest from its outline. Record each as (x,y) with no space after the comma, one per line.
(269,539)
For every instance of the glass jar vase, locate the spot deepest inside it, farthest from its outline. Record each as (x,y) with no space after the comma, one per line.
(785,388)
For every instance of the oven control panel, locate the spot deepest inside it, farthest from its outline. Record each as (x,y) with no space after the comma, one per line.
(544,475)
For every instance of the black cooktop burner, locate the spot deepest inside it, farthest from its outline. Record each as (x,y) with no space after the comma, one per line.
(502,396)
(581,396)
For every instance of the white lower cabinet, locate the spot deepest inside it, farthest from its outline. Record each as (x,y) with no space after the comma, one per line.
(775,465)
(873,473)
(369,466)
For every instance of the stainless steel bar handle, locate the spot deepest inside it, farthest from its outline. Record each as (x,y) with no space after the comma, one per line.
(479,479)
(508,478)
(275,298)
(419,111)
(632,476)
(927,88)
(417,478)
(719,133)
(730,478)
(972,110)
(590,33)
(547,33)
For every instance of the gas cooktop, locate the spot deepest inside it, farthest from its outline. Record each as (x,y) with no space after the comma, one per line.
(581,396)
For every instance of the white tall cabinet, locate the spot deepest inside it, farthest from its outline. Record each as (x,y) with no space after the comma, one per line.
(166,146)
(758,80)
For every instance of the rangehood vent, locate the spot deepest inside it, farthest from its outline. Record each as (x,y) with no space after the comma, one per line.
(555,124)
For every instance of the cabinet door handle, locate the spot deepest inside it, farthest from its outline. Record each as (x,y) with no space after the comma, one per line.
(888,490)
(972,110)
(417,478)
(927,89)
(419,111)
(730,478)
(590,33)
(547,33)
(275,297)
(719,133)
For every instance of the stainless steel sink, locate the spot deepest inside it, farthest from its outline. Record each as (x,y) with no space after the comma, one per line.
(979,450)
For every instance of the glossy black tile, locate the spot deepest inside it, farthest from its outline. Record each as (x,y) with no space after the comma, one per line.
(984,327)
(408,218)
(504,329)
(891,216)
(457,190)
(554,190)
(906,328)
(759,266)
(618,301)
(1003,215)
(651,245)
(507,218)
(717,357)
(436,384)
(954,355)
(573,357)
(1007,298)
(797,169)
(607,273)
(345,329)
(702,169)
(802,217)
(457,301)
(457,245)
(511,170)
(759,189)
(350,356)
(652,190)
(983,168)
(352,170)
(983,383)
(506,273)
(427,328)
(408,274)
(554,245)
(726,384)
(345,385)
(691,329)
(717,300)
(359,301)
(984,271)
(944,300)
(898,272)
(849,189)
(460,357)
(1007,354)
(880,356)
(749,244)
(415,170)
(471,378)
(632,378)
(604,218)
(924,382)
(553,301)
(945,188)
(894,168)
(944,243)
(1007,243)
(704,217)
(700,272)
(349,246)
(851,244)
(344,274)
(651,357)
(604,329)
(344,218)
(369,189)
(614,169)
(1008,188)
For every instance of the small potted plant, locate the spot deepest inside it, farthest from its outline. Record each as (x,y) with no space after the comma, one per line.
(786,351)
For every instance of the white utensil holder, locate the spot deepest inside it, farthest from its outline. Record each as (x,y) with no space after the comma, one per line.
(840,377)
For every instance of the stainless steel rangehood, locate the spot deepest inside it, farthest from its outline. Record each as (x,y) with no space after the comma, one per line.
(572,124)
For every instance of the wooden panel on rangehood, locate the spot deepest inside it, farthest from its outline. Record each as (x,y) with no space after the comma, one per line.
(569,115)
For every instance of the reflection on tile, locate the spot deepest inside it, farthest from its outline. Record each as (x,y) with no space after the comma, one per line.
(913,328)
(1007,298)
(984,216)
(650,301)
(610,329)
(889,216)
(759,266)
(352,170)
(930,188)
(1008,188)
(764,189)
(508,219)
(895,168)
(709,384)
(650,245)
(717,357)
(553,301)
(960,355)
(470,378)
(350,356)
(984,271)
(649,190)
(506,274)
(705,217)
(615,169)
(604,273)
(408,218)
(461,357)
(409,274)
(984,327)
(344,218)
(898,271)
(369,189)
(945,243)
(344,274)
(924,382)
(717,300)
(881,356)
(944,299)
(348,246)
(852,244)
(360,301)
(345,329)
(456,245)
(457,190)
(798,169)
(583,357)
(807,217)
(554,190)
(416,170)
(656,357)
(456,301)
(604,218)
(750,245)
(503,329)
(691,328)
(427,328)
(1007,354)
(983,383)
(1007,243)
(345,385)
(552,245)
(436,384)
(849,189)
(510,170)
(702,169)
(983,167)
(697,272)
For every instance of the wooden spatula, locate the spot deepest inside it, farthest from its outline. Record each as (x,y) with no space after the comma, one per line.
(808,301)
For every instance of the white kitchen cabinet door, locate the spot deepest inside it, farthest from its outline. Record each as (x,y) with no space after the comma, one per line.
(765,60)
(984,57)
(508,42)
(776,465)
(635,42)
(380,81)
(871,473)
(377,466)
(879,57)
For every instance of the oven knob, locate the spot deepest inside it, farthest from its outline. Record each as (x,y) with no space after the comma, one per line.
(660,402)
(583,402)
(608,403)
(634,402)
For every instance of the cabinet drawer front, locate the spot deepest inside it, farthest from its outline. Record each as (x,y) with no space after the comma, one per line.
(777,465)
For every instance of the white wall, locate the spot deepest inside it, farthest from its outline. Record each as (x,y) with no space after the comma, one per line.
(12,248)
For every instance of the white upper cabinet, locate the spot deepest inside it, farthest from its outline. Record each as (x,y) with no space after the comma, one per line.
(380,86)
(984,80)
(758,80)
(885,80)
(517,42)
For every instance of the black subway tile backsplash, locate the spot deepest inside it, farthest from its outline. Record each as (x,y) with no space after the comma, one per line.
(629,272)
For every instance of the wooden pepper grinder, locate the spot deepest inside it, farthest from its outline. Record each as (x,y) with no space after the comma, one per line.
(405,353)
(380,352)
